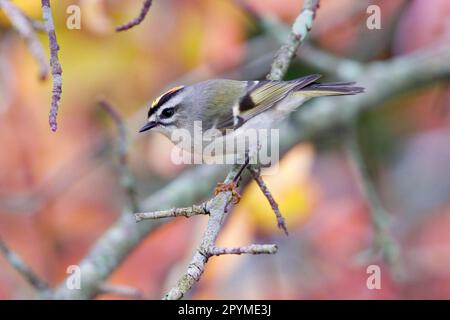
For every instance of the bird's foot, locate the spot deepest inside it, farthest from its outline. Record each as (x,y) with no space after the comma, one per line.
(228,187)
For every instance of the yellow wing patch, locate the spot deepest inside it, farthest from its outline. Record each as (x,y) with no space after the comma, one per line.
(168,92)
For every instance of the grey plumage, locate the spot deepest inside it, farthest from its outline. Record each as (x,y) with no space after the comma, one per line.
(229,104)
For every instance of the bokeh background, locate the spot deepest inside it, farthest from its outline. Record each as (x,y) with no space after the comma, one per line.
(59,192)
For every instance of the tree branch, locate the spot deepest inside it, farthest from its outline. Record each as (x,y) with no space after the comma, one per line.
(218,211)
(344,69)
(126,178)
(124,235)
(382,80)
(37,25)
(25,26)
(383,242)
(17,263)
(218,206)
(144,10)
(251,249)
(54,63)
(299,31)
(187,212)
(273,204)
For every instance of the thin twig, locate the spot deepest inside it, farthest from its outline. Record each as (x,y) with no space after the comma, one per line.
(383,241)
(207,248)
(387,78)
(120,290)
(218,210)
(144,10)
(251,249)
(280,65)
(24,25)
(344,69)
(299,31)
(273,204)
(54,63)
(36,24)
(17,263)
(126,178)
(172,213)
(218,206)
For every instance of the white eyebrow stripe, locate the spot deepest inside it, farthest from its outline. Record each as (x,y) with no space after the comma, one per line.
(169,104)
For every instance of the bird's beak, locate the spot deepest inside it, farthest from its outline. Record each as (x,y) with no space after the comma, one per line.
(149,125)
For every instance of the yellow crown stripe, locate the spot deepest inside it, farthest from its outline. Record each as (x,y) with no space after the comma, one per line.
(156,101)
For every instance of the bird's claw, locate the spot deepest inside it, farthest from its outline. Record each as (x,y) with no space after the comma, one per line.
(228,187)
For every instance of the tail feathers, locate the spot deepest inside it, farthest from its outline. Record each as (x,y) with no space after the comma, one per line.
(329,89)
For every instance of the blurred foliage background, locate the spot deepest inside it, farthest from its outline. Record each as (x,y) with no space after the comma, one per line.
(60,192)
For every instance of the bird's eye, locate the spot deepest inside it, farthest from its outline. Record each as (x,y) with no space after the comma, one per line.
(167,113)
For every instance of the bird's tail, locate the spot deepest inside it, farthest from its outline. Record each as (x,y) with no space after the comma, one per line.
(329,89)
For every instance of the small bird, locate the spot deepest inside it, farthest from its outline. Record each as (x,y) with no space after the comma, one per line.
(230,107)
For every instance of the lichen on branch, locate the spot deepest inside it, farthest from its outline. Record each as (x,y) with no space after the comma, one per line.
(55,65)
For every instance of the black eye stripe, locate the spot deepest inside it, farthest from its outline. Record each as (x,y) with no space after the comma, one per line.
(163,99)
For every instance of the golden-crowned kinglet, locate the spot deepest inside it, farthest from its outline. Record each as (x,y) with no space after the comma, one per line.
(231,107)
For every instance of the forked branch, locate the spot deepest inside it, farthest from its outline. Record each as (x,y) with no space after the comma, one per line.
(218,206)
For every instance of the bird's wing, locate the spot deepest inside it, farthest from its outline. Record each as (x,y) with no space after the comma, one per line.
(260,96)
